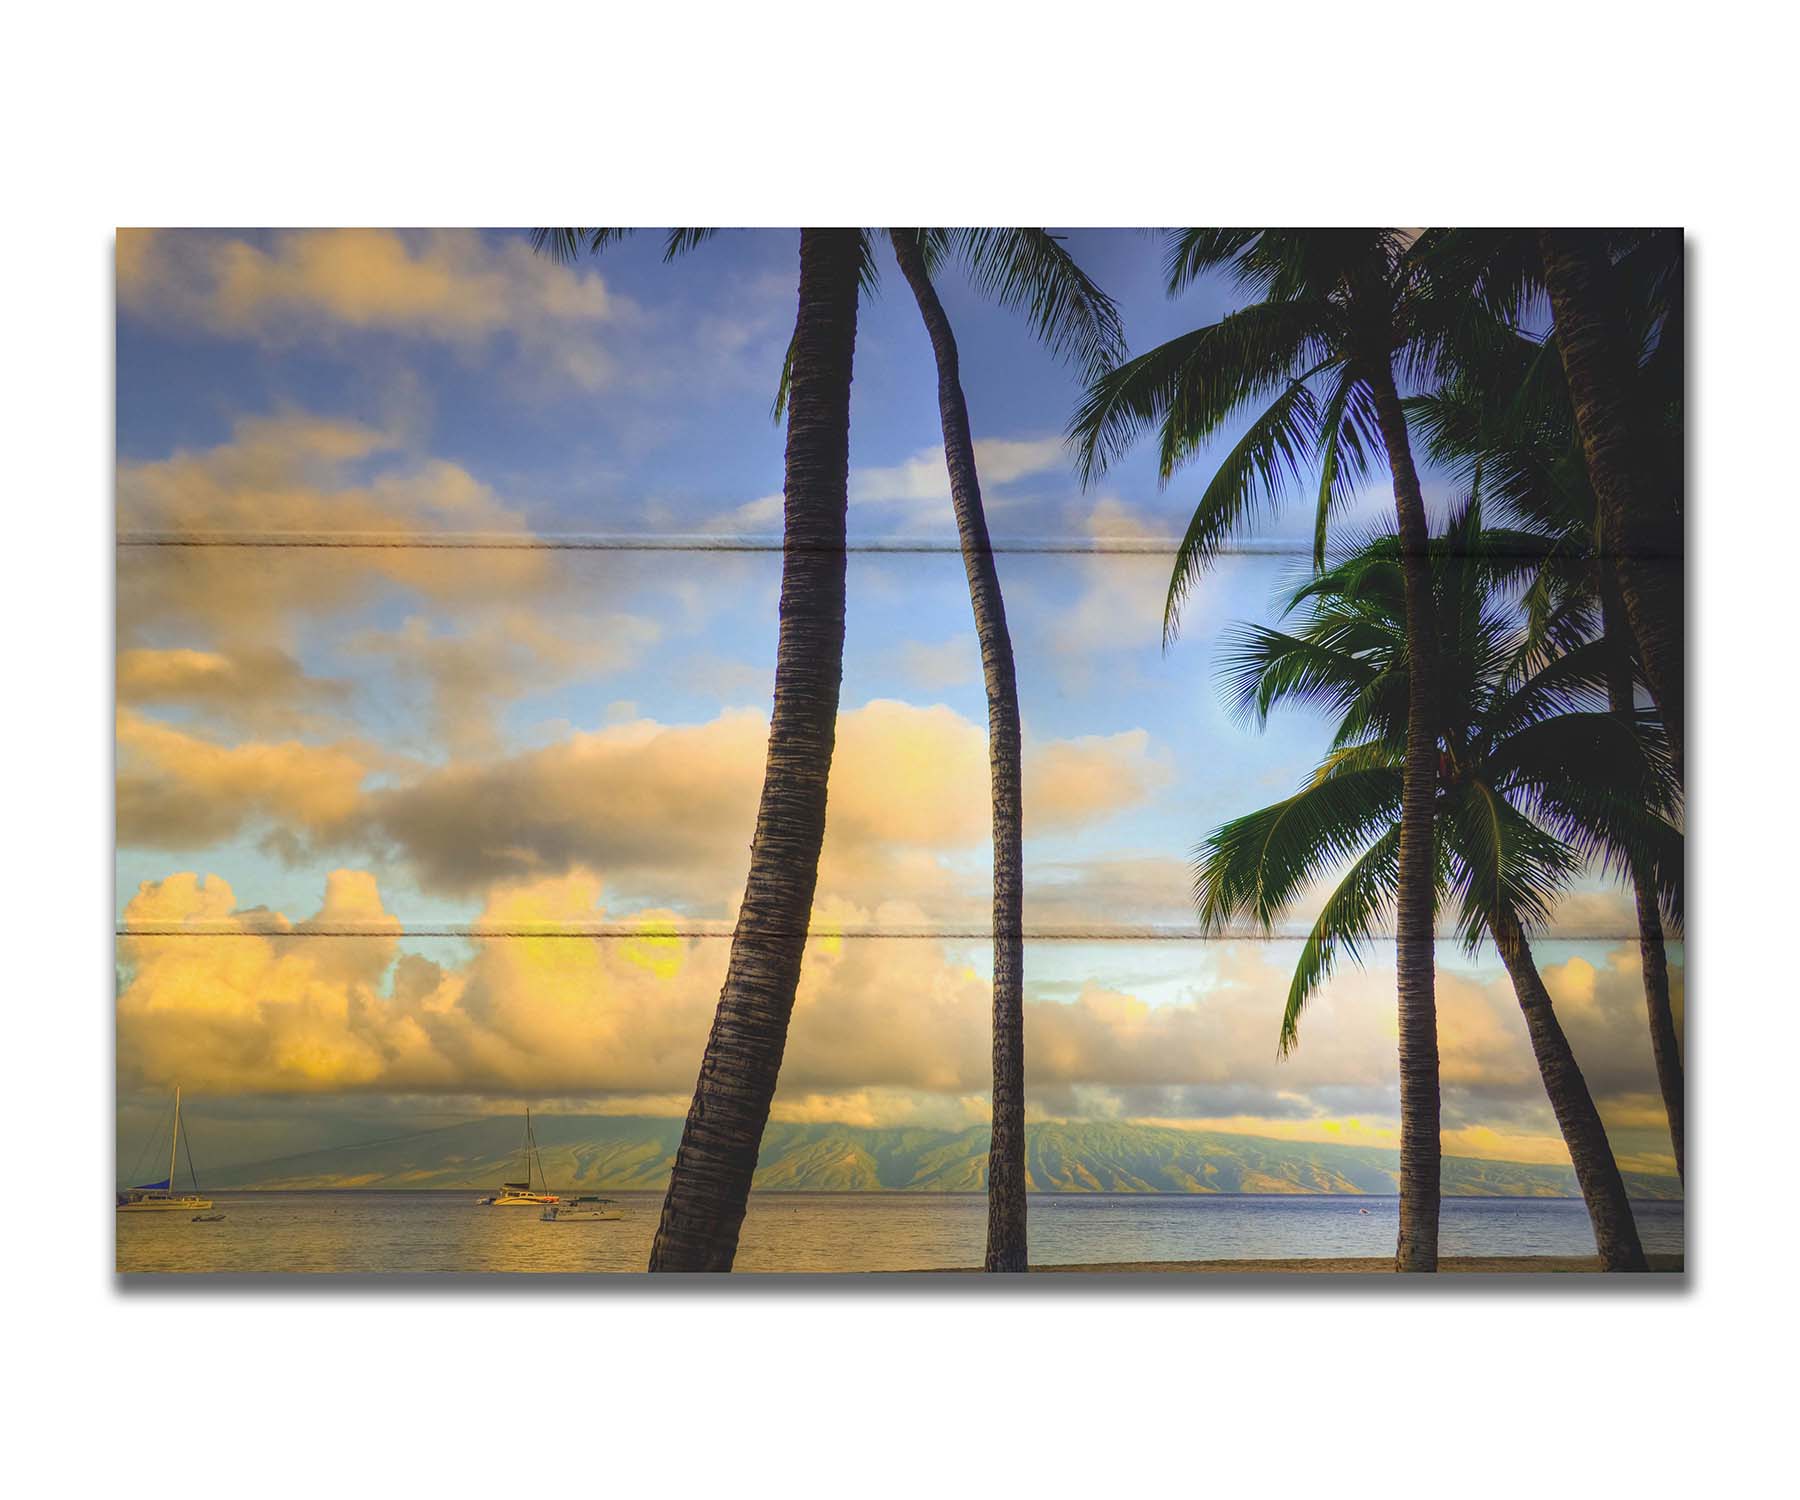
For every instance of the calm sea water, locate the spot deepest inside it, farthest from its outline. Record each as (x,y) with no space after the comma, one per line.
(370,1231)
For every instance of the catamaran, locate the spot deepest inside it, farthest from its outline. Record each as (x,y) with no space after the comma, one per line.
(161,1197)
(522,1194)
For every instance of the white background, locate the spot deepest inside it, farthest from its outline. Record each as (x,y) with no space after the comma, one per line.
(924,112)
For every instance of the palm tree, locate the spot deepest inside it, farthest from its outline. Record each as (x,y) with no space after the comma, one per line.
(1341,317)
(1601,365)
(710,1186)
(1018,267)
(1514,434)
(1536,775)
(1617,300)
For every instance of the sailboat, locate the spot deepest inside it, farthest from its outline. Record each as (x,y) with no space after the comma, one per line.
(161,1197)
(522,1194)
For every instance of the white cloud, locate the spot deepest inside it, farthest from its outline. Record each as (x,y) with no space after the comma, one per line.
(918,489)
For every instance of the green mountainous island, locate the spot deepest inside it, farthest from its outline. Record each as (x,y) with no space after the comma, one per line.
(593,1153)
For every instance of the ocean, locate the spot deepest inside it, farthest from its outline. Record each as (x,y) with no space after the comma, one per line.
(364,1232)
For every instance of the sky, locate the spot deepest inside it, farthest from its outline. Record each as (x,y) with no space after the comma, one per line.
(453,753)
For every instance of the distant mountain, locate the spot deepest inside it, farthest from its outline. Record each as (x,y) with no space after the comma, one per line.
(596,1152)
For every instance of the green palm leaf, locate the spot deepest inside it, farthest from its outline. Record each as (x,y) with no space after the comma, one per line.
(1256,865)
(1500,861)
(1356,908)
(1191,384)
(1251,477)
(1352,439)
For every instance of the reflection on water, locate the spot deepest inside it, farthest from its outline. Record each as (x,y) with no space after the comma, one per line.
(363,1232)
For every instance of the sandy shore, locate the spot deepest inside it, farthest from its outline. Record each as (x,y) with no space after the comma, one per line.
(1480,1264)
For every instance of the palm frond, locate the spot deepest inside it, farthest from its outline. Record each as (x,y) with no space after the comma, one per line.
(680,241)
(1261,668)
(779,409)
(1256,865)
(1193,252)
(565,246)
(1500,861)
(1190,385)
(1570,682)
(868,273)
(1499,267)
(1031,270)
(1352,911)
(1351,438)
(1251,477)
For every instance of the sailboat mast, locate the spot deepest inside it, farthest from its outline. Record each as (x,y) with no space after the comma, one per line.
(174,1139)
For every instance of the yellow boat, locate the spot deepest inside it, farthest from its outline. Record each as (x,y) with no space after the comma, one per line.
(522,1194)
(161,1197)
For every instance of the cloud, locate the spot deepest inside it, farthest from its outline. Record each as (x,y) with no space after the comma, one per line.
(178,790)
(260,1010)
(304,477)
(470,674)
(763,517)
(272,1009)
(884,1030)
(1117,891)
(1118,605)
(312,285)
(918,489)
(648,803)
(1602,1009)
(1084,780)
(914,495)
(666,810)
(258,689)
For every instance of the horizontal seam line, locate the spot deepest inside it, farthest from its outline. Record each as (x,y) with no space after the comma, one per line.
(1051,546)
(983,934)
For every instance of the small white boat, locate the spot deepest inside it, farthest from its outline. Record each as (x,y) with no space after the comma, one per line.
(161,1197)
(582,1210)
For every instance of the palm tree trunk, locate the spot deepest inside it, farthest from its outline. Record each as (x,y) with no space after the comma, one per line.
(710,1186)
(1665,1042)
(1665,1045)
(1600,371)
(1415,949)
(1615,1231)
(1006,1241)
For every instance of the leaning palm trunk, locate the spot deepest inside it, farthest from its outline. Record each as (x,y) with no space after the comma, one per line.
(710,1186)
(1420,1103)
(1615,1231)
(1006,1243)
(1665,1044)
(1599,369)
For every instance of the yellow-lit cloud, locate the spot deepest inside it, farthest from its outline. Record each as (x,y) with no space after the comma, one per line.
(177,790)
(884,1031)
(258,689)
(309,284)
(666,809)
(301,477)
